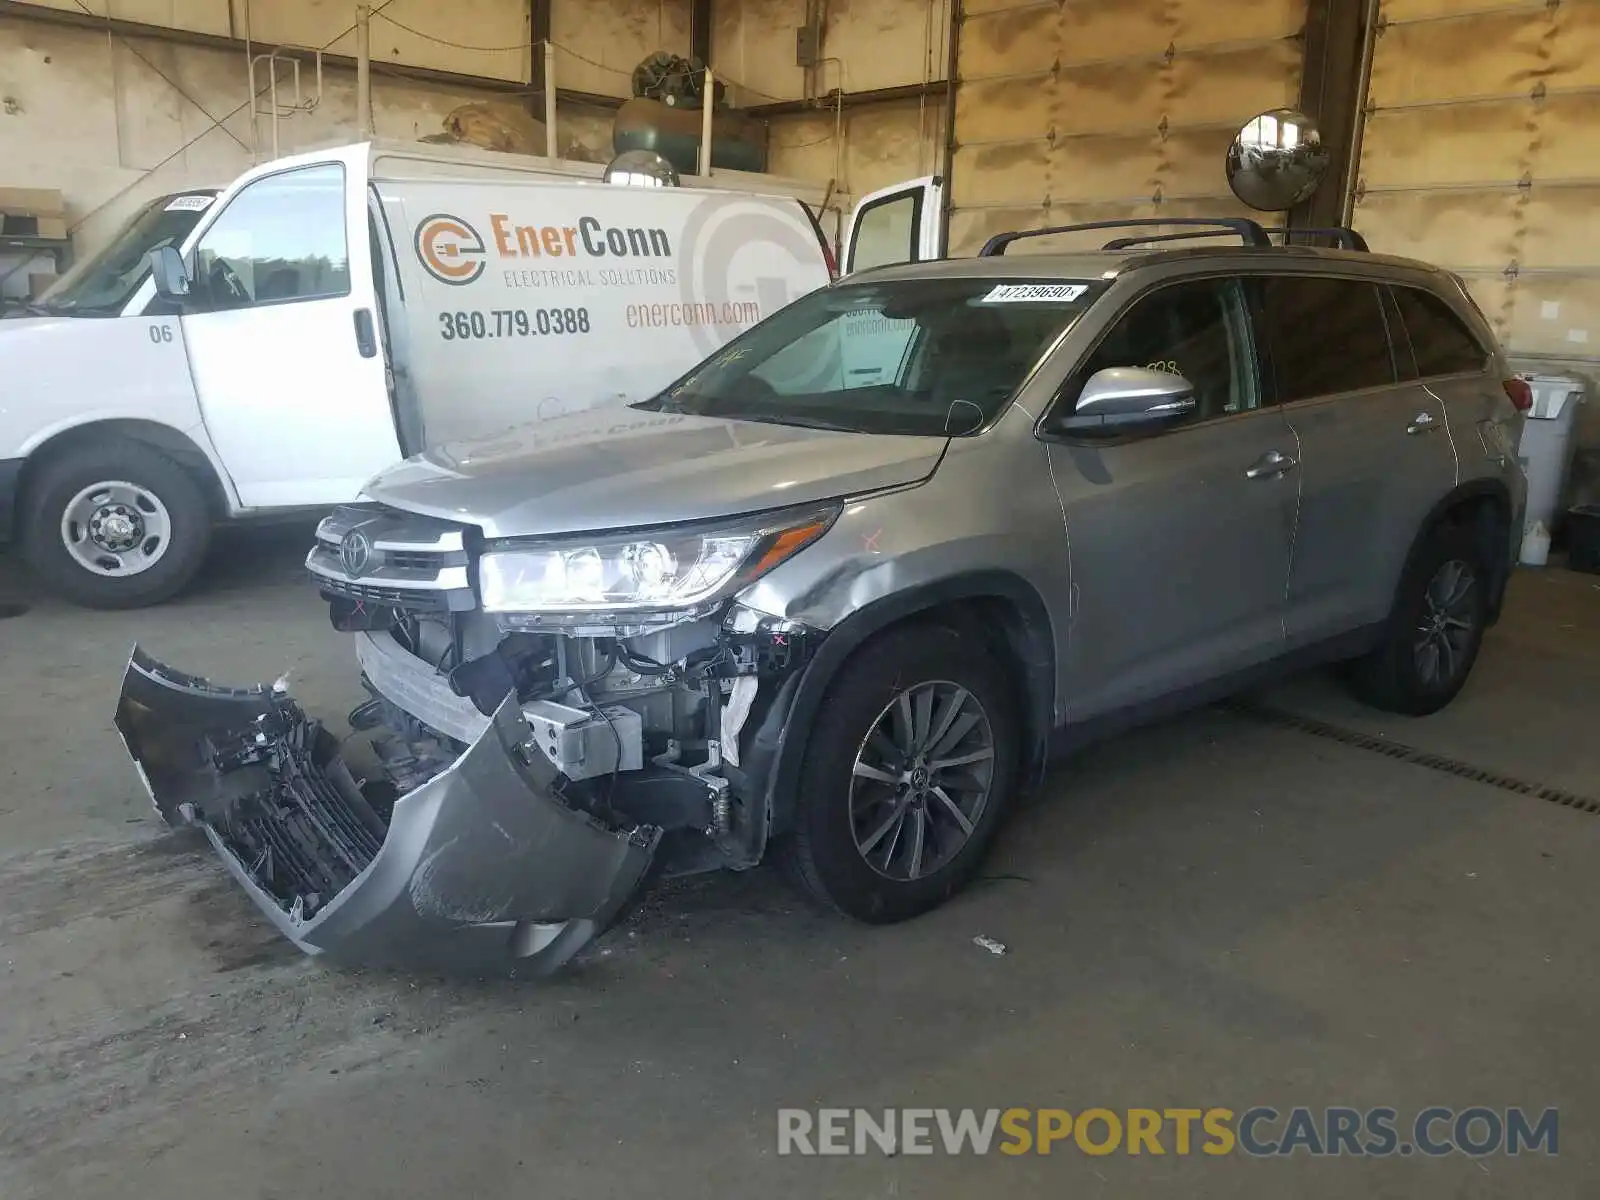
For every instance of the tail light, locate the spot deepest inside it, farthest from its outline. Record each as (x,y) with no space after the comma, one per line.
(833,260)
(1520,393)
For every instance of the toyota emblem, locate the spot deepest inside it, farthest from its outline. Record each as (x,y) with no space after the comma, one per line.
(354,552)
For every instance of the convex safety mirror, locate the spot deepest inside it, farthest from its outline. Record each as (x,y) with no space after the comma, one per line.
(1277,160)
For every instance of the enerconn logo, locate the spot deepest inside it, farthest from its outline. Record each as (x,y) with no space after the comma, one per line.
(449,249)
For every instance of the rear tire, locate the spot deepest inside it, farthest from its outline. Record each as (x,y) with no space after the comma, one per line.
(88,502)
(1435,630)
(861,776)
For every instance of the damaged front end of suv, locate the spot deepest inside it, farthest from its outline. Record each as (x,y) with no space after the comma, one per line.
(550,728)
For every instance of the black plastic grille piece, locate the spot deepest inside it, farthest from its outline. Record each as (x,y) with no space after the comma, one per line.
(409,599)
(303,838)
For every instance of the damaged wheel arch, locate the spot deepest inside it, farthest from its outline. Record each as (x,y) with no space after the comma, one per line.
(1019,625)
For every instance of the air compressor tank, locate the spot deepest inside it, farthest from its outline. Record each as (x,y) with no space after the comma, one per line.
(738,142)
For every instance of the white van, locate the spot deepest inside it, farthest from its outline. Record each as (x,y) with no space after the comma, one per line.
(328,314)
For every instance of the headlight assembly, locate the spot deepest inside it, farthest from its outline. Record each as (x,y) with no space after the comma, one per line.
(651,571)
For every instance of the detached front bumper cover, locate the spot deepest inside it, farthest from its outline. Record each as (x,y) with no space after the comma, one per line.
(486,868)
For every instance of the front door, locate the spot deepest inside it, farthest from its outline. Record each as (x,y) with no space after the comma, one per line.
(899,224)
(283,340)
(1179,541)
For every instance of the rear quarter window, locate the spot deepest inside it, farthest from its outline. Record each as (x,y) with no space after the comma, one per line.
(1440,339)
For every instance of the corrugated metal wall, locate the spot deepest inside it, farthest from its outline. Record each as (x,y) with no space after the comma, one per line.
(1482,153)
(1091,109)
(868,44)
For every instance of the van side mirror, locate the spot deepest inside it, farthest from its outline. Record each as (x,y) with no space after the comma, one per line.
(1128,400)
(170,275)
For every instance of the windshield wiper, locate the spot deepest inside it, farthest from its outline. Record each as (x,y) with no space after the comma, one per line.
(31,308)
(765,418)
(73,308)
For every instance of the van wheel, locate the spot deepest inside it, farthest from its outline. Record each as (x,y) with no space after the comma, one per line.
(1434,631)
(907,772)
(115,524)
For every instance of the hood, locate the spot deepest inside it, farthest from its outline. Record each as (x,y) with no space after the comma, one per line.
(616,468)
(21,321)
(50,363)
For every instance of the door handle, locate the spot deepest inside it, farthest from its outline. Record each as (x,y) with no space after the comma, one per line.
(1271,465)
(366,336)
(1423,422)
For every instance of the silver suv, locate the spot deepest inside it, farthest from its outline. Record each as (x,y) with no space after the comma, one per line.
(840,593)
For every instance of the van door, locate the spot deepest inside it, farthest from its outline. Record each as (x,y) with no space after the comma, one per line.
(282,336)
(899,224)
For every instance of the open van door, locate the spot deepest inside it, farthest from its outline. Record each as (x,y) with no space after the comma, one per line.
(898,224)
(281,327)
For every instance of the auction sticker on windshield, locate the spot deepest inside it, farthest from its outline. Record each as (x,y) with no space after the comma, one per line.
(189,203)
(1049,293)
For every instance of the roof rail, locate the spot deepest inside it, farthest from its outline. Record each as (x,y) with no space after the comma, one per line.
(1128,243)
(1342,235)
(1248,231)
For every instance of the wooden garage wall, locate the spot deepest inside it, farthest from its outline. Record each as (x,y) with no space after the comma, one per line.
(1091,109)
(1482,153)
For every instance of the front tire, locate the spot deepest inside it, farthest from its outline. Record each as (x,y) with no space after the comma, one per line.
(115,524)
(907,773)
(1435,629)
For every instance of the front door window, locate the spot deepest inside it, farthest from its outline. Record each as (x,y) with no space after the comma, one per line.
(281,240)
(1198,329)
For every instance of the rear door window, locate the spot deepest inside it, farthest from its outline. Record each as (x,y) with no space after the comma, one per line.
(1440,340)
(1327,336)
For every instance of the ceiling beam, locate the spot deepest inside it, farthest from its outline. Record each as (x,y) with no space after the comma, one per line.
(1337,47)
(828,100)
(699,30)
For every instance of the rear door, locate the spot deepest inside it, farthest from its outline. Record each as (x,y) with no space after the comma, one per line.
(1179,541)
(899,224)
(283,338)
(1374,449)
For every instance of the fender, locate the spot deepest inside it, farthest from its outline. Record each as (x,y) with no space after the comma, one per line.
(191,447)
(1031,644)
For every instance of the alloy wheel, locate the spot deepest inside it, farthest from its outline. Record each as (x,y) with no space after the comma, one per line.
(1448,624)
(922,778)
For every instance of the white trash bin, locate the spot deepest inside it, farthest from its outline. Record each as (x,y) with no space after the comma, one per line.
(1547,447)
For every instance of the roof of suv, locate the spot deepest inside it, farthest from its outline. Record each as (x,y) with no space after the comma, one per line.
(1104,263)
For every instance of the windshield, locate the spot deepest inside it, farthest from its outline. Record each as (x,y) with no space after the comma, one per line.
(104,282)
(940,357)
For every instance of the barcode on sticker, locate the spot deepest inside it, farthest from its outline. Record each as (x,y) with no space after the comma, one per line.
(1047,293)
(189,203)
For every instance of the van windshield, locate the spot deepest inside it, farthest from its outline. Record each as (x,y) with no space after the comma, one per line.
(939,357)
(101,284)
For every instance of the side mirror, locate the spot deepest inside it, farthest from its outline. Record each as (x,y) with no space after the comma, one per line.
(170,275)
(1124,400)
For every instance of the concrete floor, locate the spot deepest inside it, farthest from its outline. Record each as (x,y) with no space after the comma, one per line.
(1212,913)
